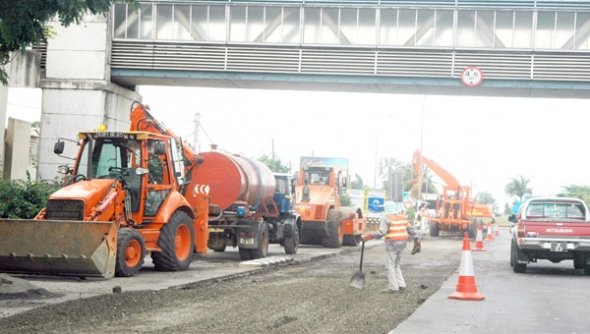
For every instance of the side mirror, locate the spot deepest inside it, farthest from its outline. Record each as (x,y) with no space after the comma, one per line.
(159,148)
(58,148)
(512,218)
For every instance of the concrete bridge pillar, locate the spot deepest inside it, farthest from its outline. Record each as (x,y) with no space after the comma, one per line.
(77,92)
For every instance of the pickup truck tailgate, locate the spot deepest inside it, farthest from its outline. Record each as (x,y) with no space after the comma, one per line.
(553,229)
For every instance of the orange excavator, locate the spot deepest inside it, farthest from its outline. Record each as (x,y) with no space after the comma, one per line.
(455,210)
(129,193)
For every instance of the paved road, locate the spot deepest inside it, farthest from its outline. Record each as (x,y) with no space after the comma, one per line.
(213,266)
(548,298)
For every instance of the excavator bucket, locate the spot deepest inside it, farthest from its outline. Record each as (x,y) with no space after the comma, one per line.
(58,247)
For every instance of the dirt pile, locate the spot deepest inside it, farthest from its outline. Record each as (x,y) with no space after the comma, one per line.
(16,288)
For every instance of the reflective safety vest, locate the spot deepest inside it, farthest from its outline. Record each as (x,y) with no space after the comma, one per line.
(398,225)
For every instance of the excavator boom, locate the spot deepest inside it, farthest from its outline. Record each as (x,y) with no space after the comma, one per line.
(449,179)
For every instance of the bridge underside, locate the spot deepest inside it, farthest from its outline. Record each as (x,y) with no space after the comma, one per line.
(365,84)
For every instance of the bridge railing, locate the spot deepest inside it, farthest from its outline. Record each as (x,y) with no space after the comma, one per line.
(355,61)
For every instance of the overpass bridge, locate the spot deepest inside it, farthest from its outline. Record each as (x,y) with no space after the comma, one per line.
(521,47)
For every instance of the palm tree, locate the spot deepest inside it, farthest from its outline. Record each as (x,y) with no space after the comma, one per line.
(518,186)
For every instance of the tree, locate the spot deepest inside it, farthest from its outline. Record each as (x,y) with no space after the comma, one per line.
(485,197)
(581,192)
(357,183)
(275,165)
(518,186)
(24,22)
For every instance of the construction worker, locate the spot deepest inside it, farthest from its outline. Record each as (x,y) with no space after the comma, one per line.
(396,230)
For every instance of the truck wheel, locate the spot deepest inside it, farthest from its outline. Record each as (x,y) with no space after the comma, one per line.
(130,252)
(245,254)
(263,242)
(434,230)
(291,243)
(176,242)
(579,261)
(587,270)
(514,254)
(216,242)
(335,233)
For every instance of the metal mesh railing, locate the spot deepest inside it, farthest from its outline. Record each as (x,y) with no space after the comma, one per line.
(393,62)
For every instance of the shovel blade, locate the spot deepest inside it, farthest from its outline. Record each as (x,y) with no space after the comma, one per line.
(358,280)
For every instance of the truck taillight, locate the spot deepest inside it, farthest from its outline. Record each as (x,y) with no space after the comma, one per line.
(520,230)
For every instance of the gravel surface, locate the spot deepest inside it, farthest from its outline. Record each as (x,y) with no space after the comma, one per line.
(313,297)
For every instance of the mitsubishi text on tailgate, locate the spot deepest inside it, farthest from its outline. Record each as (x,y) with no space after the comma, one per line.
(553,229)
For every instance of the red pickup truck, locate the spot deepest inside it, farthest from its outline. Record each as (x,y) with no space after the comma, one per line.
(553,229)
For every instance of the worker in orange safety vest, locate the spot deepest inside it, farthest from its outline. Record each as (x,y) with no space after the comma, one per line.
(396,230)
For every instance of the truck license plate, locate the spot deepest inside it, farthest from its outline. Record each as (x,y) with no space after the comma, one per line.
(559,247)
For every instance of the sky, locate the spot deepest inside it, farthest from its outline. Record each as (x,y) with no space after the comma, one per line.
(482,141)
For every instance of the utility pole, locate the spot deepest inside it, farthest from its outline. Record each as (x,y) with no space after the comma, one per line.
(376,163)
(421,141)
(196,134)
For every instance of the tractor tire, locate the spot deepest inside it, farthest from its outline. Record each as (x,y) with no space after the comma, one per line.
(291,243)
(434,230)
(335,233)
(176,244)
(130,252)
(264,240)
(514,254)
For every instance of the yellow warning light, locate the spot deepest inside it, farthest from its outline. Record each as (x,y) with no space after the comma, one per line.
(102,128)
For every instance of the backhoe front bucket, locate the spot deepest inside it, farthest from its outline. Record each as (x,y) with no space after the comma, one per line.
(58,247)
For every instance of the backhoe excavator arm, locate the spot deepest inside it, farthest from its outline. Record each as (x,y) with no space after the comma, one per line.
(450,180)
(142,120)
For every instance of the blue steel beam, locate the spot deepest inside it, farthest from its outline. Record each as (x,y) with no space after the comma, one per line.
(402,85)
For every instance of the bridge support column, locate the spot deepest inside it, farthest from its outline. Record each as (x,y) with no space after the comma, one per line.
(77,92)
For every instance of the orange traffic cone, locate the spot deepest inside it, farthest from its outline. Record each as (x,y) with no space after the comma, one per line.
(490,234)
(479,239)
(466,287)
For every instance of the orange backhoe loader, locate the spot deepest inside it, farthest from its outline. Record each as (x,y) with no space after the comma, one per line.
(323,219)
(129,193)
(455,210)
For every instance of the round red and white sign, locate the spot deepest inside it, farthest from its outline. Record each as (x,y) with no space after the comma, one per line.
(471,76)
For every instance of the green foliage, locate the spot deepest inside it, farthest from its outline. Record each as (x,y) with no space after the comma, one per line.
(275,165)
(345,200)
(24,22)
(485,197)
(357,183)
(581,192)
(507,209)
(411,214)
(518,186)
(23,199)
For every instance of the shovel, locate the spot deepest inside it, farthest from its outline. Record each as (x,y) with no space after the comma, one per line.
(358,279)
